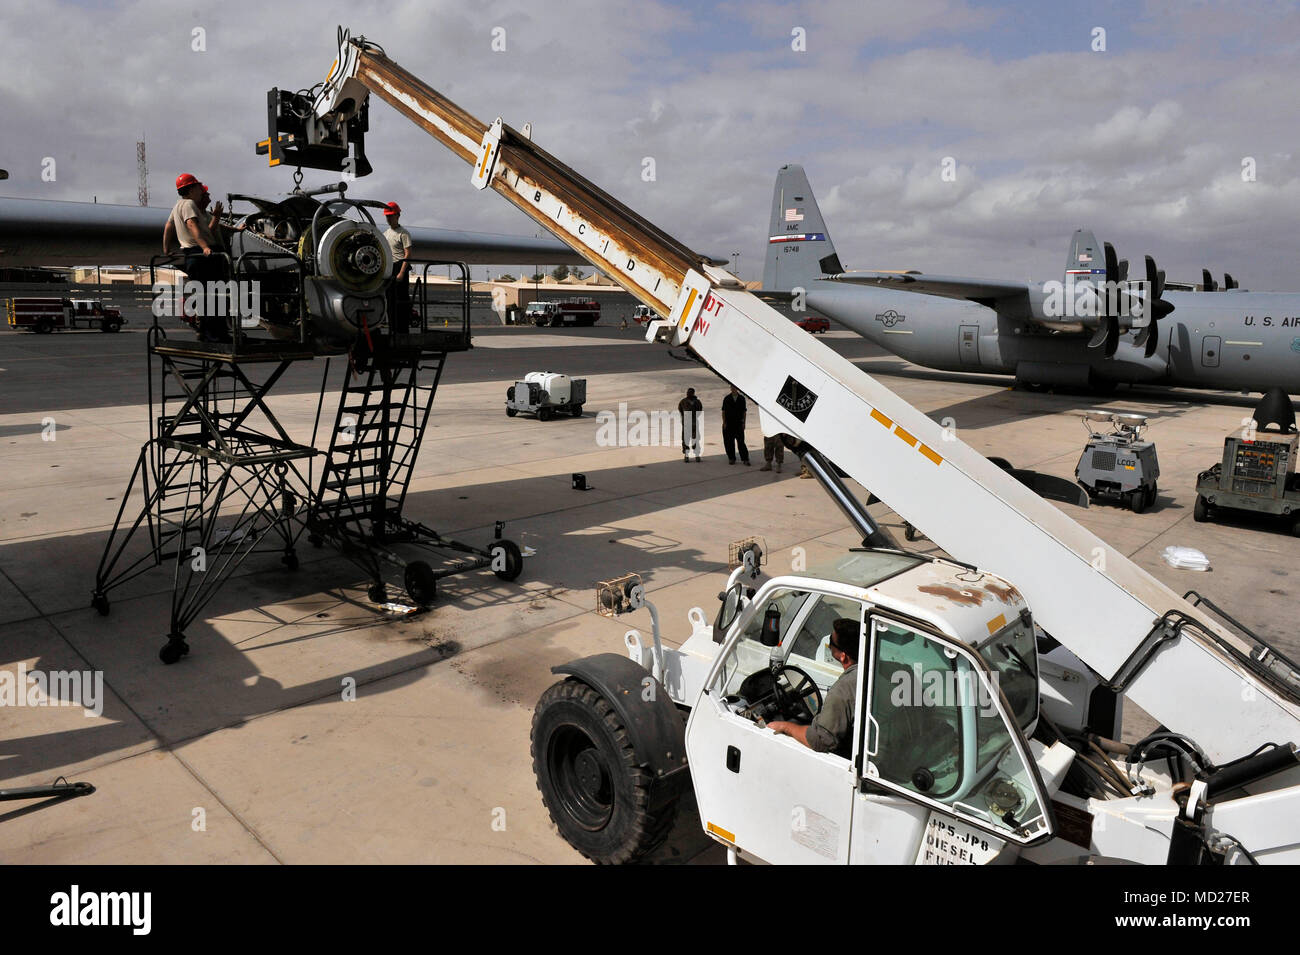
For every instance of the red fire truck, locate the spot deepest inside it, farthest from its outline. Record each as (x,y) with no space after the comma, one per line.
(44,315)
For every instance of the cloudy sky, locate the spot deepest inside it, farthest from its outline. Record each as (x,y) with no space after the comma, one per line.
(1143,142)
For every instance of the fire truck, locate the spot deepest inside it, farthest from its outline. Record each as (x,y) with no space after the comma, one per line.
(583,311)
(44,315)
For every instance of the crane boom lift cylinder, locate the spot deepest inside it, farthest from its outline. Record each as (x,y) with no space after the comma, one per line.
(1170,657)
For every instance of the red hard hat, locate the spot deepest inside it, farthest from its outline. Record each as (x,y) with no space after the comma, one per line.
(392,209)
(185,180)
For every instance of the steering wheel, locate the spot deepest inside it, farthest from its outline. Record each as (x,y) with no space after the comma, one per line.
(792,696)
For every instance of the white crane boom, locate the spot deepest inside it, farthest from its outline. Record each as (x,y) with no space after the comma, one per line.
(1167,655)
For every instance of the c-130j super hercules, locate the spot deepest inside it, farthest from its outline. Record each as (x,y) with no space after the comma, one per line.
(1033,771)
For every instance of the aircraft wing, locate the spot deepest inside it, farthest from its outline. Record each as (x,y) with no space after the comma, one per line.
(48,232)
(984,291)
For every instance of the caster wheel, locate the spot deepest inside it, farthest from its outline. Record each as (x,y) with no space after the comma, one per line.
(1137,500)
(420,583)
(173,649)
(100,603)
(507,561)
(545,413)
(290,560)
(378,593)
(576,411)
(511,412)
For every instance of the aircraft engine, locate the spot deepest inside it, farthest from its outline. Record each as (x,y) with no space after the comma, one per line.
(344,267)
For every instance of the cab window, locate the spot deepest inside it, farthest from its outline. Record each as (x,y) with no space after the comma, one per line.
(940,729)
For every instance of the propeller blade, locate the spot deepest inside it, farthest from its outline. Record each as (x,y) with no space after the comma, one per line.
(1207,281)
(1229,281)
(1123,270)
(1153,336)
(1143,334)
(1112,266)
(1112,335)
(1160,278)
(1099,336)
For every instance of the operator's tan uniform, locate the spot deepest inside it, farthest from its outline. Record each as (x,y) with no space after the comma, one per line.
(831,730)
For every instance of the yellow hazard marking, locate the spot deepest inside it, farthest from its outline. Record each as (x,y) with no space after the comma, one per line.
(932,454)
(883,419)
(722,833)
(686,311)
(911,441)
(997,623)
(487,151)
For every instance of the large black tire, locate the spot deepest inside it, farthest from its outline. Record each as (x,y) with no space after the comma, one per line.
(43,327)
(585,766)
(1201,510)
(545,413)
(1295,526)
(511,412)
(576,411)
(111,325)
(1137,499)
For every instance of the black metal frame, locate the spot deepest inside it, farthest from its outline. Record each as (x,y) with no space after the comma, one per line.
(204,452)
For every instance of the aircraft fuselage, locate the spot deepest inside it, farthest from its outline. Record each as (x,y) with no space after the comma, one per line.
(1233,340)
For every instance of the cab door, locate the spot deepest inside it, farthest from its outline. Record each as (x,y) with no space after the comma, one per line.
(947,776)
(768,796)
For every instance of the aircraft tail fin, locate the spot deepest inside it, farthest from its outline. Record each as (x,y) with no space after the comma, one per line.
(799,249)
(1087,259)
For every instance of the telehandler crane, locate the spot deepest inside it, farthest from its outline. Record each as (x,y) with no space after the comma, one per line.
(991,686)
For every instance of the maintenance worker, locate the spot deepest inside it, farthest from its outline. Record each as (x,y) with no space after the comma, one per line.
(690,408)
(831,730)
(733,426)
(399,241)
(190,226)
(773,447)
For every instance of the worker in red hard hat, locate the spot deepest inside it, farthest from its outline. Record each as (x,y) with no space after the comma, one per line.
(191,227)
(399,241)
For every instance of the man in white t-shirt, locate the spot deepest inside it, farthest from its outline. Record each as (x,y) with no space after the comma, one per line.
(190,227)
(399,241)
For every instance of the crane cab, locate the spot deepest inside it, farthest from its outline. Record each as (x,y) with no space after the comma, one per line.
(935,766)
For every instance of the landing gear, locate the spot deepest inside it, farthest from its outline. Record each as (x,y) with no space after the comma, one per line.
(378,593)
(174,648)
(100,602)
(421,584)
(507,561)
(587,772)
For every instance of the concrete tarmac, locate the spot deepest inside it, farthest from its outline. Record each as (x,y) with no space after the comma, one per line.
(305,726)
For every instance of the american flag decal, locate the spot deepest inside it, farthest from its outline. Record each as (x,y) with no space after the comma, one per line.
(794,215)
